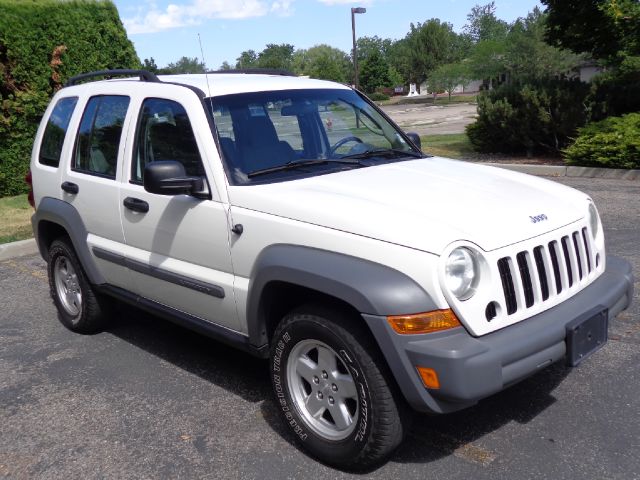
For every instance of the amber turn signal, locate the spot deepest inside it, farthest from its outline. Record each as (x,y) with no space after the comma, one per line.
(429,377)
(427,322)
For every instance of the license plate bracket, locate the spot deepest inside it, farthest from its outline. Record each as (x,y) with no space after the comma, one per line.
(586,334)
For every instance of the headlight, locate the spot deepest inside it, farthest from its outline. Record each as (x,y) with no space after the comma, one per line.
(462,272)
(593,220)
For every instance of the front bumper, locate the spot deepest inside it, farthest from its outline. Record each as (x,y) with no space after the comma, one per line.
(472,368)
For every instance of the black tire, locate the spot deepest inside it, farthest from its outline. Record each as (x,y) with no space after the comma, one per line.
(80,309)
(380,416)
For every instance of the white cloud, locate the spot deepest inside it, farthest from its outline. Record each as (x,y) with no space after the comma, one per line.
(195,11)
(282,8)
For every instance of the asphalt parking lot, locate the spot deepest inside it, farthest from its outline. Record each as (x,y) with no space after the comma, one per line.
(147,399)
(425,119)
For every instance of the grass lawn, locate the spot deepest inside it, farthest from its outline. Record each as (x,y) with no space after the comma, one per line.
(454,145)
(15,215)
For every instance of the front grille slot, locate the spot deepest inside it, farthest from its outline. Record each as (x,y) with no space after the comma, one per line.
(507,285)
(542,272)
(556,265)
(586,248)
(526,278)
(567,259)
(575,244)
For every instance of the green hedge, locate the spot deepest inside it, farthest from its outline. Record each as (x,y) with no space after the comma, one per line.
(539,117)
(42,44)
(378,96)
(613,143)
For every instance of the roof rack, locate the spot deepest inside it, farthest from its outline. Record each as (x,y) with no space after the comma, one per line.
(144,75)
(259,71)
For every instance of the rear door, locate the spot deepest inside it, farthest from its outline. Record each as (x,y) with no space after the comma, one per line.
(90,182)
(177,246)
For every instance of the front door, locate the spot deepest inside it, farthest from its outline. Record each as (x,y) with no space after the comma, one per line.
(177,246)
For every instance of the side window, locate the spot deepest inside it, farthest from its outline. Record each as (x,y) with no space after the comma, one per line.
(165,133)
(55,131)
(99,135)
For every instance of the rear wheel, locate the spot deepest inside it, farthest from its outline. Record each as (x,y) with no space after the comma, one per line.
(333,389)
(80,309)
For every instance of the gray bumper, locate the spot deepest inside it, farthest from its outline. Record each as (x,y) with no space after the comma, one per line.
(471,368)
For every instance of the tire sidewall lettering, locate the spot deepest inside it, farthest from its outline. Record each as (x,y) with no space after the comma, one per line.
(283,346)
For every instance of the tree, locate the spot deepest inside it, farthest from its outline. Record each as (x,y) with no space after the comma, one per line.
(447,77)
(605,29)
(487,60)
(299,61)
(328,63)
(184,65)
(149,64)
(276,56)
(399,57)
(225,66)
(374,73)
(429,45)
(365,46)
(529,57)
(484,25)
(395,78)
(42,44)
(247,59)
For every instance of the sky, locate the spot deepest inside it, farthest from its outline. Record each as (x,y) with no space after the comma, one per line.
(168,30)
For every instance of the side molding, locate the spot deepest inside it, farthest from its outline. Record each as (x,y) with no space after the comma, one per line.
(64,214)
(162,274)
(369,287)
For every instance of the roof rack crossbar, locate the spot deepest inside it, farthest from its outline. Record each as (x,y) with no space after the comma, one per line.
(258,71)
(144,75)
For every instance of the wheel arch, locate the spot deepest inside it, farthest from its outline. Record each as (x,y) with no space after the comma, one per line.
(286,276)
(55,218)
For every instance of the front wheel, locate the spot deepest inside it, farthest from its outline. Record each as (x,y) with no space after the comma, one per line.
(333,390)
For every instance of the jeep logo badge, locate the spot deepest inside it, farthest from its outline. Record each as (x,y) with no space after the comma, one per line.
(538,218)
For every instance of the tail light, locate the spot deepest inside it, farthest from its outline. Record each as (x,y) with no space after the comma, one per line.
(29,181)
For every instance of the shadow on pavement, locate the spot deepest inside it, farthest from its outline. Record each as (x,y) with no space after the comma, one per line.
(229,368)
(430,437)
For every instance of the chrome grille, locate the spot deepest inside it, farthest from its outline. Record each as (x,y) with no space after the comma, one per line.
(544,272)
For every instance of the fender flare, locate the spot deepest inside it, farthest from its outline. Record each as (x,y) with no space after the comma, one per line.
(371,288)
(64,214)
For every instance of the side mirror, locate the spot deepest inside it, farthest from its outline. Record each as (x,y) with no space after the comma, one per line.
(167,177)
(415,138)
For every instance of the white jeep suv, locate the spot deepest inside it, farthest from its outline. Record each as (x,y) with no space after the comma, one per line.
(291,218)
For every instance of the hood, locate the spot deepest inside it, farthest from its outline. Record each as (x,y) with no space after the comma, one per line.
(424,204)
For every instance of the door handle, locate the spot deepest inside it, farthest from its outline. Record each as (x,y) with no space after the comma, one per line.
(136,204)
(70,187)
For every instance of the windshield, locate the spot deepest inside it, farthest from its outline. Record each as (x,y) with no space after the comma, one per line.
(307,132)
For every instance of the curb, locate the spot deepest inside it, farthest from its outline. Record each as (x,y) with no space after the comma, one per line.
(18,249)
(562,171)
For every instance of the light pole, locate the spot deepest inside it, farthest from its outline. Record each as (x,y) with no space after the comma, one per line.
(353,31)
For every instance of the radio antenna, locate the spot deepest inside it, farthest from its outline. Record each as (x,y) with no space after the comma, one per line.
(206,75)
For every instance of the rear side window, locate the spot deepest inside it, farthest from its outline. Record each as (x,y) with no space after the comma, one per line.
(99,135)
(55,131)
(165,133)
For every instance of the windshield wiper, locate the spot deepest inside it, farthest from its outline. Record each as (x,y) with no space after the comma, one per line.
(293,164)
(385,152)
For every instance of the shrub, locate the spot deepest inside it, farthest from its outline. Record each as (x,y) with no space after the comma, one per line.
(535,117)
(42,44)
(616,92)
(378,96)
(613,142)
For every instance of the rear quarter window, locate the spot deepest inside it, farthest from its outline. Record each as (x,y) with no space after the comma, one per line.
(56,131)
